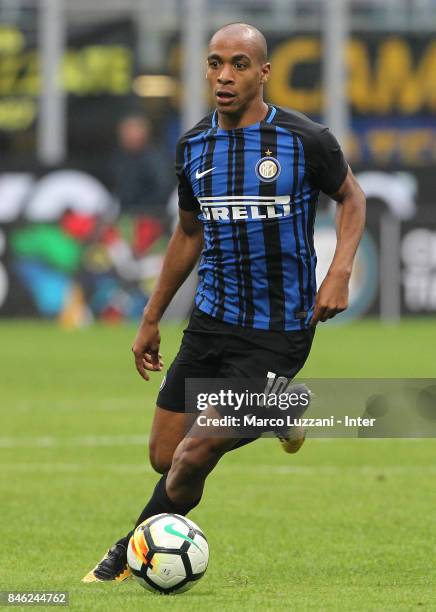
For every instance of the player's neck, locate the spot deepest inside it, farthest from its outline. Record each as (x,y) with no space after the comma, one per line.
(247,117)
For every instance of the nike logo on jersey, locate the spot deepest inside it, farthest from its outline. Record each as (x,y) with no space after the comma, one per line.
(198,174)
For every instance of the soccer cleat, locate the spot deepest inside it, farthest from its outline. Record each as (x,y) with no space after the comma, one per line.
(292,443)
(294,440)
(113,566)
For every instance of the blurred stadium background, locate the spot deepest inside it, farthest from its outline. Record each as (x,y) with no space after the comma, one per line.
(93,96)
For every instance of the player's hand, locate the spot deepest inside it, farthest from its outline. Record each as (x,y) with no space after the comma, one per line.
(332,297)
(146,349)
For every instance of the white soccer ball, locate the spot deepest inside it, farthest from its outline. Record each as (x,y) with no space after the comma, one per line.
(168,553)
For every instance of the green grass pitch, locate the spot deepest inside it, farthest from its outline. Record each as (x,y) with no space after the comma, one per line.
(342,525)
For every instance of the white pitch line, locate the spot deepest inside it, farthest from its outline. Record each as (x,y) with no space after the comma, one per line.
(126,440)
(72,441)
(263,469)
(74,467)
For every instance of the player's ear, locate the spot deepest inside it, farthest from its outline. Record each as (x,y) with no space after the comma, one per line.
(266,68)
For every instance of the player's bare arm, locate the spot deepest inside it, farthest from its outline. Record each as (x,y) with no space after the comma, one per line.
(182,254)
(332,296)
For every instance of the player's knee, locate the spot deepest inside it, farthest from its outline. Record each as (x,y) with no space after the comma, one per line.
(196,457)
(159,459)
(188,463)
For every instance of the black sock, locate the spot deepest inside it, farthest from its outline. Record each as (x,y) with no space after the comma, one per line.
(159,503)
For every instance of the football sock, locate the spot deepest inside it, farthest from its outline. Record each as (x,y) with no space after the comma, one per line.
(159,503)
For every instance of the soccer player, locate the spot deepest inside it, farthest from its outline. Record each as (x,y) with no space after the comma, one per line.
(249,178)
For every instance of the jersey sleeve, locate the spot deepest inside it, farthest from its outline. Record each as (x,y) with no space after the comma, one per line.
(187,200)
(327,166)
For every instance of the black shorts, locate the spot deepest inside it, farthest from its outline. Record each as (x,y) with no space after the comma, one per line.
(213,349)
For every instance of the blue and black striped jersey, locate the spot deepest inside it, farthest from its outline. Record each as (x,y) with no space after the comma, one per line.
(256,190)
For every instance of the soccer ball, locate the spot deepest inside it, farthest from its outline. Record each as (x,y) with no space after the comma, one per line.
(168,553)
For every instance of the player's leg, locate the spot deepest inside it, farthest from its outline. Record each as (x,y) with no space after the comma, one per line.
(193,461)
(181,489)
(167,431)
(197,358)
(301,344)
(177,492)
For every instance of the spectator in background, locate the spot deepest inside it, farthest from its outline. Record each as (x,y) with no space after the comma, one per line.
(138,169)
(139,175)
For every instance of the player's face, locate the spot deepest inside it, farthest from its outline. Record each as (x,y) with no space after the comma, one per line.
(235,74)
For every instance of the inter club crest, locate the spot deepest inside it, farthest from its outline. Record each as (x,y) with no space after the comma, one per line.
(268,169)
